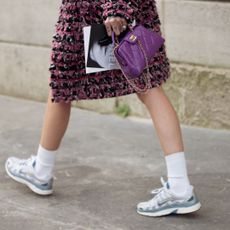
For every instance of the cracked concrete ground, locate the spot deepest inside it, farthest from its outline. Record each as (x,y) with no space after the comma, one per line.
(105,166)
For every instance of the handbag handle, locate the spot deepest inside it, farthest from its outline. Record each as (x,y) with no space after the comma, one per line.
(146,76)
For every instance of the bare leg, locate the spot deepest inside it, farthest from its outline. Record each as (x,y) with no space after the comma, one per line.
(168,130)
(56,120)
(165,120)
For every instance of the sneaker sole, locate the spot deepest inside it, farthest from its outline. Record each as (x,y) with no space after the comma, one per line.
(31,186)
(185,210)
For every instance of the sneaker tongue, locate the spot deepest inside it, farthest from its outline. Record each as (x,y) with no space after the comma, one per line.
(167,185)
(34,163)
(164,183)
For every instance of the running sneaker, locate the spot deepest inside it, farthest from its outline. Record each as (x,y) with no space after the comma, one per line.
(165,202)
(23,171)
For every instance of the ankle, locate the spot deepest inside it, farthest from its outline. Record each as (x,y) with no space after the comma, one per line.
(179,185)
(45,161)
(177,173)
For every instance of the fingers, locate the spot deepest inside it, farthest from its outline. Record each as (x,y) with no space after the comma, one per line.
(114,24)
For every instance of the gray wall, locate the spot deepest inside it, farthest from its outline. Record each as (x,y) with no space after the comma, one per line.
(25,39)
(197,41)
(197,32)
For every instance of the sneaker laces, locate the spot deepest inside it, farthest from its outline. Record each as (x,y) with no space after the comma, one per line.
(162,195)
(158,190)
(25,163)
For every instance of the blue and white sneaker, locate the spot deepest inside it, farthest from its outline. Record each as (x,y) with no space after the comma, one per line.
(22,170)
(165,202)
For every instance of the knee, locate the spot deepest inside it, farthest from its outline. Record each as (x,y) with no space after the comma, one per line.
(144,97)
(64,104)
(152,93)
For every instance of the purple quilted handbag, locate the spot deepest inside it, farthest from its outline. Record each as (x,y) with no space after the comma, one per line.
(134,52)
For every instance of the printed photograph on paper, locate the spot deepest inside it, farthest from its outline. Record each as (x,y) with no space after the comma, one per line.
(98,49)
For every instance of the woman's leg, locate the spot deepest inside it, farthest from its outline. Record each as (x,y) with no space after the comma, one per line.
(37,173)
(177,194)
(168,130)
(165,120)
(55,123)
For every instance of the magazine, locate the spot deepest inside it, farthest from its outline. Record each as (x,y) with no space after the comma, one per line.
(98,48)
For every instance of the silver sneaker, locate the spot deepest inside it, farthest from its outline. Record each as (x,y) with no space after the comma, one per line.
(165,202)
(22,171)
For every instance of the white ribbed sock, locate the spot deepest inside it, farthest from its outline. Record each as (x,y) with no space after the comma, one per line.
(45,161)
(177,174)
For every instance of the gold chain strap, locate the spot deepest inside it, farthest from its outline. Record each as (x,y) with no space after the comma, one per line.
(146,76)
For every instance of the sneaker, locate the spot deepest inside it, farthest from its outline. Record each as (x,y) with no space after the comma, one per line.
(165,202)
(22,170)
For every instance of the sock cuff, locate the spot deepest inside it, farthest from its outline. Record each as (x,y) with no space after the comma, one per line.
(175,156)
(41,148)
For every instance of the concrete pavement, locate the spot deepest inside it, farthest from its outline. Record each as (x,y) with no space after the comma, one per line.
(105,166)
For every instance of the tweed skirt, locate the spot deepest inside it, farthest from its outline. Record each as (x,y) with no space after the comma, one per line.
(68,79)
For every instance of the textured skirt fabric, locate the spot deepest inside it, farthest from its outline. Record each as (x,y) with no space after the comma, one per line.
(68,80)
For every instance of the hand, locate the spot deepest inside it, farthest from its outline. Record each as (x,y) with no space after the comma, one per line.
(115,24)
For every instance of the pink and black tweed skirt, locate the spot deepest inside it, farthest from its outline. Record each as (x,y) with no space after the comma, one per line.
(68,80)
